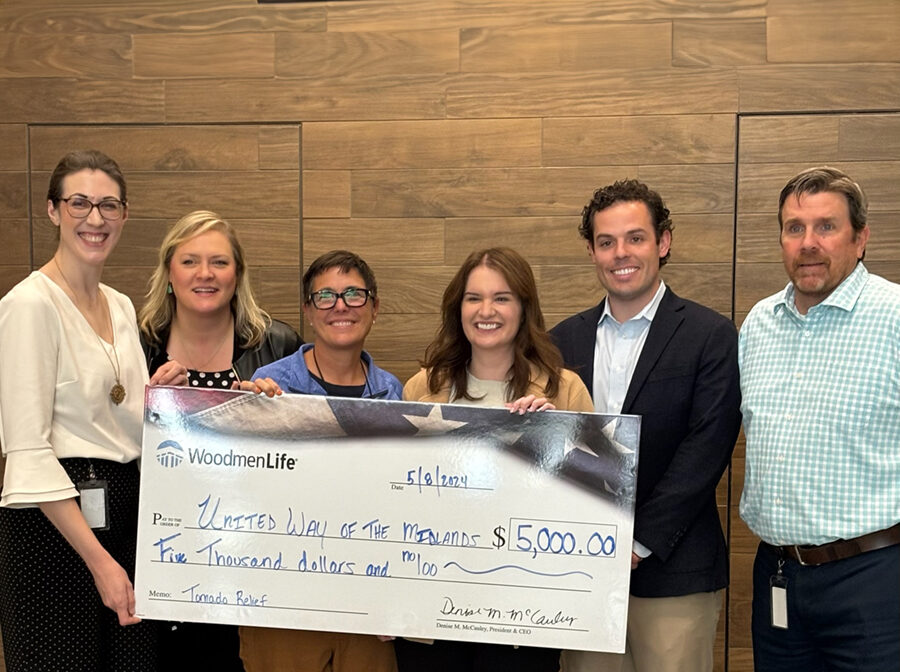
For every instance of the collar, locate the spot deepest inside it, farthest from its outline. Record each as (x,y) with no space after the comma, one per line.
(844,296)
(648,312)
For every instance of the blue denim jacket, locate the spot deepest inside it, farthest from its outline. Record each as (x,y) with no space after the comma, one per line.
(293,376)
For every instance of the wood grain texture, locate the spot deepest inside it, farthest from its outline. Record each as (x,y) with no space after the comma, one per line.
(279,147)
(152,148)
(807,88)
(718,42)
(541,240)
(290,100)
(869,137)
(401,337)
(417,241)
(277,288)
(538,49)
(230,55)
(14,235)
(591,94)
(665,139)
(422,144)
(13,141)
(13,195)
(704,188)
(762,183)
(476,192)
(234,194)
(429,14)
(79,55)
(864,36)
(333,54)
(411,290)
(777,139)
(196,17)
(51,100)
(326,193)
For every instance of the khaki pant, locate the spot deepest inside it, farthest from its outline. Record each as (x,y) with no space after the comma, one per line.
(275,650)
(665,634)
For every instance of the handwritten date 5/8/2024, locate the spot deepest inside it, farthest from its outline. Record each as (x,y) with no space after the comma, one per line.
(556,538)
(423,477)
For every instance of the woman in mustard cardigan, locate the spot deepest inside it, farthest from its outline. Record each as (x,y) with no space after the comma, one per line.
(491,350)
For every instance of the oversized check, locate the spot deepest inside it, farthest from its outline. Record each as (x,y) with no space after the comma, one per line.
(386,517)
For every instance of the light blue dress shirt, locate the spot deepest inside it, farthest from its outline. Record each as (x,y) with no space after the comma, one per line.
(821,405)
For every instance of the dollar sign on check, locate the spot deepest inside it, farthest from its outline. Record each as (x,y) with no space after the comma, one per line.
(500,540)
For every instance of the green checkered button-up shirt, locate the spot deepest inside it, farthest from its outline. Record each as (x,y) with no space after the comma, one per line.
(821,405)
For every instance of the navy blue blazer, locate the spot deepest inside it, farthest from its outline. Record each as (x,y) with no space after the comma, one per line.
(687,389)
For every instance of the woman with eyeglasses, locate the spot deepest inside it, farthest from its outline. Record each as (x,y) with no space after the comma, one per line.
(200,311)
(340,304)
(491,350)
(72,379)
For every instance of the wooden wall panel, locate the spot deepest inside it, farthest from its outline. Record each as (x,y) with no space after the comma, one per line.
(282,100)
(586,141)
(229,55)
(50,100)
(326,193)
(863,36)
(719,42)
(601,92)
(414,240)
(543,48)
(80,55)
(425,14)
(332,54)
(422,144)
(153,148)
(198,17)
(13,140)
(805,88)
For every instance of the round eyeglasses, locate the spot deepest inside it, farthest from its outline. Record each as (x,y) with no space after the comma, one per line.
(354,297)
(110,209)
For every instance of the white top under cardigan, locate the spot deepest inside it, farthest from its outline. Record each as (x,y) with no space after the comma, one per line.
(54,389)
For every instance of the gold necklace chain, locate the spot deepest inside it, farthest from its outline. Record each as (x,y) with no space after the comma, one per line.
(117,391)
(187,351)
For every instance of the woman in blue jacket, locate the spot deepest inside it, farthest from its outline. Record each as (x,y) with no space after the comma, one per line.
(340,303)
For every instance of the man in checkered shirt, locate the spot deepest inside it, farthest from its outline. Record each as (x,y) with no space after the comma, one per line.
(820,377)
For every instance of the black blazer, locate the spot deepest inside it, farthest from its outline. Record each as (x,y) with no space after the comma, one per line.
(687,390)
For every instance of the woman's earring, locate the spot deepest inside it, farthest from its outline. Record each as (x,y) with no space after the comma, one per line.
(169,288)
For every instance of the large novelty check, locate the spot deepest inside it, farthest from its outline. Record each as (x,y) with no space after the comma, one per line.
(386,517)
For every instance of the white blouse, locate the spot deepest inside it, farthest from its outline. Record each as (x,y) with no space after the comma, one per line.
(55,380)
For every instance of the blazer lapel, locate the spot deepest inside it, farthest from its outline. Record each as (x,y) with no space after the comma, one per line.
(665,323)
(586,341)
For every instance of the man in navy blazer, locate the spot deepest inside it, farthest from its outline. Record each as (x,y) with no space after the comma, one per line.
(645,351)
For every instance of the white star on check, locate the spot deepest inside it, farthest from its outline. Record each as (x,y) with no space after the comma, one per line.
(609,431)
(434,422)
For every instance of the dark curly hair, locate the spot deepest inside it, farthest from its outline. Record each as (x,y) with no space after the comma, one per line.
(627,191)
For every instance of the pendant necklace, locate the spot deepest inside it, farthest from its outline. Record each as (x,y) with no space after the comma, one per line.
(203,367)
(361,365)
(117,391)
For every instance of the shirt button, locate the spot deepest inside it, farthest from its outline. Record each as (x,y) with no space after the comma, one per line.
(779,458)
(798,375)
(788,416)
(778,500)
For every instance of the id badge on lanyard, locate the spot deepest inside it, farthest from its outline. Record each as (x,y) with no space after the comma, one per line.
(94,500)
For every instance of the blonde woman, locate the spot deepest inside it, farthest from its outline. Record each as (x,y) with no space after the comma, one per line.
(200,311)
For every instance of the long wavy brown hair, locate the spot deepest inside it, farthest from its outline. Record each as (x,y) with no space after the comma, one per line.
(448,355)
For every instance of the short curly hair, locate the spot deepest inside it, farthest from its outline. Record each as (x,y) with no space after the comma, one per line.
(627,191)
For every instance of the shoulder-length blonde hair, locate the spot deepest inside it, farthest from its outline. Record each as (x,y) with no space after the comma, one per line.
(450,351)
(250,321)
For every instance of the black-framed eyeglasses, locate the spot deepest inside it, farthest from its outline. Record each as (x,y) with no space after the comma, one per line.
(354,297)
(110,209)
